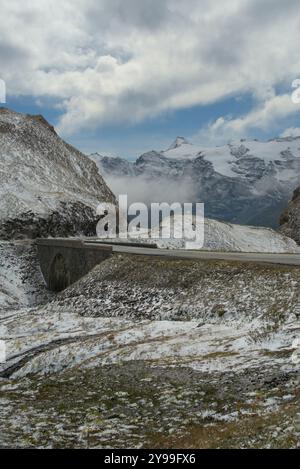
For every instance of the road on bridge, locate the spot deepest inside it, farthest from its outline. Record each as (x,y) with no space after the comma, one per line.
(285,259)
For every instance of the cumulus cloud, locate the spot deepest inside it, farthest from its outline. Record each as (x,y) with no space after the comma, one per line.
(263,116)
(291,132)
(124,61)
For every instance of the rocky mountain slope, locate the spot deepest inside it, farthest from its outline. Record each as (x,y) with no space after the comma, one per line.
(246,182)
(47,187)
(290,218)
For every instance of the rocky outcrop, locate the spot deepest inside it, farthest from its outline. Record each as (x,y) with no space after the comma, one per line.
(47,187)
(21,281)
(290,218)
(69,219)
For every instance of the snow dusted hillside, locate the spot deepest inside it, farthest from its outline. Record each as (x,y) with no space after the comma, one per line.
(144,350)
(228,237)
(246,182)
(220,236)
(47,187)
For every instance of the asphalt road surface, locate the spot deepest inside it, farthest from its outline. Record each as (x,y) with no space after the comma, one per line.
(285,259)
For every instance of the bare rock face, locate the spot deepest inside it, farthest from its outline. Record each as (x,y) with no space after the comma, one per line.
(290,218)
(47,187)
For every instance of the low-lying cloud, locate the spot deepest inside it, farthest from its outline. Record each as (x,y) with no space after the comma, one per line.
(147,191)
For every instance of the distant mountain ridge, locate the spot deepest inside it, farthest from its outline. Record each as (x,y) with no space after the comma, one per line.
(246,182)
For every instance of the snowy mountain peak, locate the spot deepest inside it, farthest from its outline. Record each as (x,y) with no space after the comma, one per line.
(245,182)
(178,142)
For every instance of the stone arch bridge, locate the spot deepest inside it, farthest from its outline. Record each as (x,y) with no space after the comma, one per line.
(64,261)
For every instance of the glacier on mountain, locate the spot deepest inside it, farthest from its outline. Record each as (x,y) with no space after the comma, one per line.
(245,182)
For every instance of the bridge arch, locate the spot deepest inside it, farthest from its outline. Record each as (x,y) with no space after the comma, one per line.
(64,261)
(59,274)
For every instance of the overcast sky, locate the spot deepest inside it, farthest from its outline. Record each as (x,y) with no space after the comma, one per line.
(126,76)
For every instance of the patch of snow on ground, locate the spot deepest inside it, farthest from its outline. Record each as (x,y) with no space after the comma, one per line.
(218,236)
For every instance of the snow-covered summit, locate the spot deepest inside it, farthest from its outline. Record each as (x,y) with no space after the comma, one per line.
(246,181)
(225,158)
(178,142)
